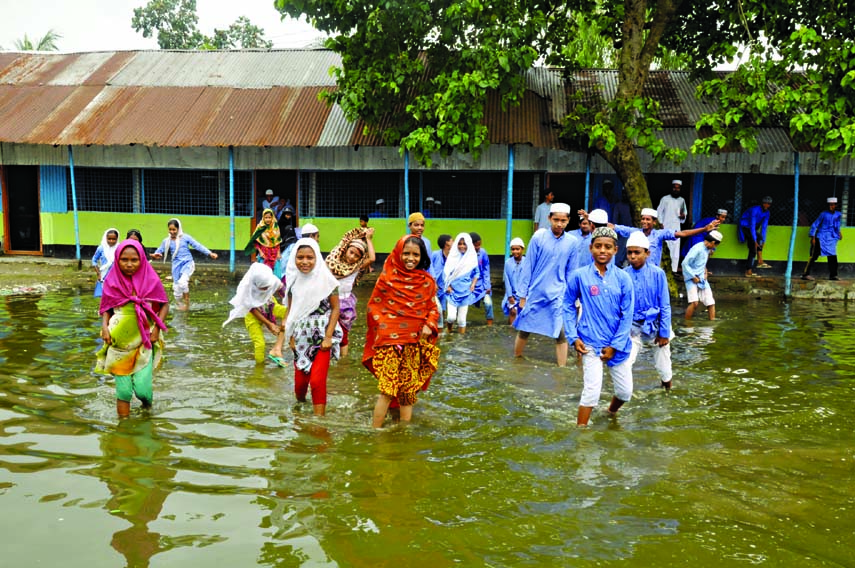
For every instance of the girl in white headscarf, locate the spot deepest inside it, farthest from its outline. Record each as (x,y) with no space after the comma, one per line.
(255,302)
(104,257)
(179,244)
(311,326)
(461,276)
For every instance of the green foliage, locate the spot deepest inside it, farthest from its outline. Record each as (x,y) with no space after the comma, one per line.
(46,43)
(176,24)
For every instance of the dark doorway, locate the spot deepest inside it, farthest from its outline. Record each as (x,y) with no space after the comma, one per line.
(21,209)
(569,189)
(284,186)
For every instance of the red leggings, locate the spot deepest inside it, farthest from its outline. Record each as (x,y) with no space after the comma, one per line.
(316,378)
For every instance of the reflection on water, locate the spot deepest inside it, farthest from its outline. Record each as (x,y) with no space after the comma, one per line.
(749,459)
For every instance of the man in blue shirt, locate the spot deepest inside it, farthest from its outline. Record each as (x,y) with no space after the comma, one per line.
(651,320)
(547,266)
(602,334)
(824,234)
(752,230)
(541,214)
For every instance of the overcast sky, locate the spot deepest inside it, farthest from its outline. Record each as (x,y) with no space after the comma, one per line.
(98,25)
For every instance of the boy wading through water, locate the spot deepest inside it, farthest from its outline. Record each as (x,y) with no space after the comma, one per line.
(602,334)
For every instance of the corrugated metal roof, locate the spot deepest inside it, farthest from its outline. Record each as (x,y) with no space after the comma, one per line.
(269,98)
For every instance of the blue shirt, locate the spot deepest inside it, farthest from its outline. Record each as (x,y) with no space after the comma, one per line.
(483,283)
(541,215)
(511,277)
(756,220)
(652,309)
(181,258)
(827,229)
(693,240)
(548,262)
(437,266)
(460,294)
(427,246)
(695,263)
(607,310)
(655,238)
(100,260)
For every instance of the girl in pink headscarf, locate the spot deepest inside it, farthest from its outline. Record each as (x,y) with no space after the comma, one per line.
(133,307)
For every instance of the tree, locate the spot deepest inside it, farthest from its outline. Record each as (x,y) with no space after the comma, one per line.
(469,47)
(46,43)
(176,24)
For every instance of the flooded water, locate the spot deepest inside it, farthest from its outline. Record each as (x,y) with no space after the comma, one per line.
(749,460)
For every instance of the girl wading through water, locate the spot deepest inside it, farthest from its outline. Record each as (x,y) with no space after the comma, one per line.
(183,266)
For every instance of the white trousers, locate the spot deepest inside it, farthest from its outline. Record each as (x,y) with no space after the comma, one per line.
(457,314)
(182,285)
(592,376)
(661,355)
(674,250)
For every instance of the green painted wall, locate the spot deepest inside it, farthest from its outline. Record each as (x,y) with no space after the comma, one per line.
(213,232)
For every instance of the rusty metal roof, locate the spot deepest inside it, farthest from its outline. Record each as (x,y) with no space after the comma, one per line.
(263,98)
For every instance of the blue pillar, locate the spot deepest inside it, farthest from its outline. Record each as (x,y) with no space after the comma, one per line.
(697,197)
(232,208)
(789,274)
(588,182)
(509,215)
(74,201)
(407,186)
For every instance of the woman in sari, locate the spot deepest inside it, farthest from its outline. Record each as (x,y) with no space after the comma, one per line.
(400,345)
(266,239)
(347,262)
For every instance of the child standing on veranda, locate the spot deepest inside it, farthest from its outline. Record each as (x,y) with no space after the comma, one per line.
(512,276)
(461,278)
(183,266)
(104,257)
(255,301)
(311,325)
(695,274)
(133,307)
(347,262)
(601,335)
(403,327)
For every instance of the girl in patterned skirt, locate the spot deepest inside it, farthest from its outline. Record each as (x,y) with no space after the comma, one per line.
(311,325)
(400,345)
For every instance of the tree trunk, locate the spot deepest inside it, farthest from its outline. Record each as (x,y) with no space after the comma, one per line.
(624,160)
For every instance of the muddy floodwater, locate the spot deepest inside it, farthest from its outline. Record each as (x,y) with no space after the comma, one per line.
(749,460)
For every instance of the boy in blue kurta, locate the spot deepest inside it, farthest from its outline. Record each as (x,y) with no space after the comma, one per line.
(824,234)
(658,236)
(548,263)
(511,278)
(437,266)
(483,287)
(601,335)
(752,230)
(695,273)
(651,320)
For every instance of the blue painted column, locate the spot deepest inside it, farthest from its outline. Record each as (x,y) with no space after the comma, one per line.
(232,208)
(697,197)
(588,182)
(509,214)
(74,202)
(789,274)
(407,187)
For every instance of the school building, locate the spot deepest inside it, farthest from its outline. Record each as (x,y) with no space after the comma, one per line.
(130,139)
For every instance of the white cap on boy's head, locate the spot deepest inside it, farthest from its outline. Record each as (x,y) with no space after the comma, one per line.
(309,229)
(722,211)
(379,202)
(648,212)
(637,239)
(716,236)
(598,216)
(428,198)
(559,208)
(831,200)
(518,242)
(677,182)
(268,192)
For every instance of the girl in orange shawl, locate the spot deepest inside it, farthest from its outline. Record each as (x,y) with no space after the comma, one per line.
(400,345)
(266,240)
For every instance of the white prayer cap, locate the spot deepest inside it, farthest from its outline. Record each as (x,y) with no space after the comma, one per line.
(722,211)
(437,202)
(309,229)
(379,202)
(559,208)
(637,239)
(677,182)
(716,236)
(268,192)
(428,198)
(598,216)
(518,242)
(648,212)
(831,200)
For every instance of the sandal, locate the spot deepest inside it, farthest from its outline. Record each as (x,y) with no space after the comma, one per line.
(278,360)
(764,265)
